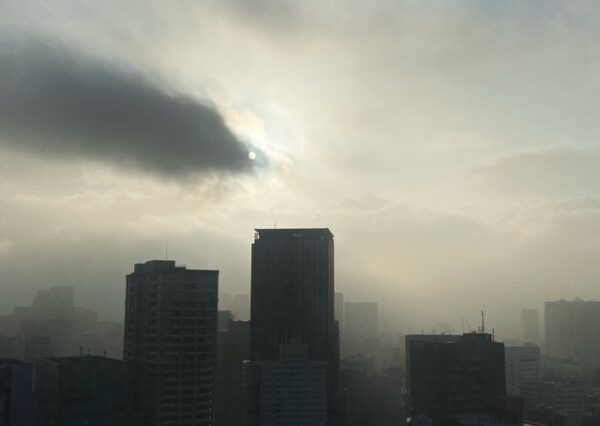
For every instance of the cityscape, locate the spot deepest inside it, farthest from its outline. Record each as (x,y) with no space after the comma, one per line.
(299,213)
(293,352)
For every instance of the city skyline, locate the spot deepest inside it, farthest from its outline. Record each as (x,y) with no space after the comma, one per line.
(451,147)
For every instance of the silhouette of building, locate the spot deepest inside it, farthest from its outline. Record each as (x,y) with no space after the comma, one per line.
(292,298)
(170,336)
(572,330)
(16,393)
(530,326)
(523,364)
(53,326)
(82,390)
(450,376)
(289,391)
(233,344)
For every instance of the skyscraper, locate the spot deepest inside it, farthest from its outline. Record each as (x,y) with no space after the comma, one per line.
(292,299)
(292,292)
(170,335)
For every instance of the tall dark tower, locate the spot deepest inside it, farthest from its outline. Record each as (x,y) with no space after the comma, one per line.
(170,337)
(292,292)
(292,299)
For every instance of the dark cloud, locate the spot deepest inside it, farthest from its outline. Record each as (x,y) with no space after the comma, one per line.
(58,103)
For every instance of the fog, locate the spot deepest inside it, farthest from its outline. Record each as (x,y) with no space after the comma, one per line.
(450,147)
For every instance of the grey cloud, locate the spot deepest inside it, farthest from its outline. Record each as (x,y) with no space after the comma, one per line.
(552,172)
(61,104)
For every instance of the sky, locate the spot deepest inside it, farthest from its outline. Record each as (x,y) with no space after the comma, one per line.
(451,147)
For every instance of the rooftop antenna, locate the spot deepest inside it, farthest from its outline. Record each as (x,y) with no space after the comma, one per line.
(166,250)
(482,322)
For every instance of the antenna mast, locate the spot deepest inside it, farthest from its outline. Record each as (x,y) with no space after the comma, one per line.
(482,322)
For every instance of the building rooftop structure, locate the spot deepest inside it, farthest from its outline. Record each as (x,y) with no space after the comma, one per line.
(288,233)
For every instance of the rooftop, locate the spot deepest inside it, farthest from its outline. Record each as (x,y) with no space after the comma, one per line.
(292,233)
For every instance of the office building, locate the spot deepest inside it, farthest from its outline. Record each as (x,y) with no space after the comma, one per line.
(292,292)
(292,298)
(233,344)
(82,390)
(170,336)
(572,330)
(290,391)
(530,326)
(450,375)
(523,364)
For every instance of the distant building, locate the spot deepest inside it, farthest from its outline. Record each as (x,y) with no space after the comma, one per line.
(449,375)
(233,349)
(289,391)
(16,393)
(523,364)
(293,298)
(572,330)
(223,319)
(559,396)
(241,307)
(338,310)
(83,390)
(170,336)
(361,331)
(360,321)
(530,326)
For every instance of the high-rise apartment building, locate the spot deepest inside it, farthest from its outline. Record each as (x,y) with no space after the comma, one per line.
(530,326)
(292,298)
(451,376)
(572,330)
(170,336)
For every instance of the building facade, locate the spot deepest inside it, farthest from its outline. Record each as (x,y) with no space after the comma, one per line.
(523,364)
(233,344)
(82,390)
(170,337)
(292,298)
(291,391)
(572,330)
(452,375)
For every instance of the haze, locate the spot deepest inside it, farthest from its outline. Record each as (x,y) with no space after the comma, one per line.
(451,147)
